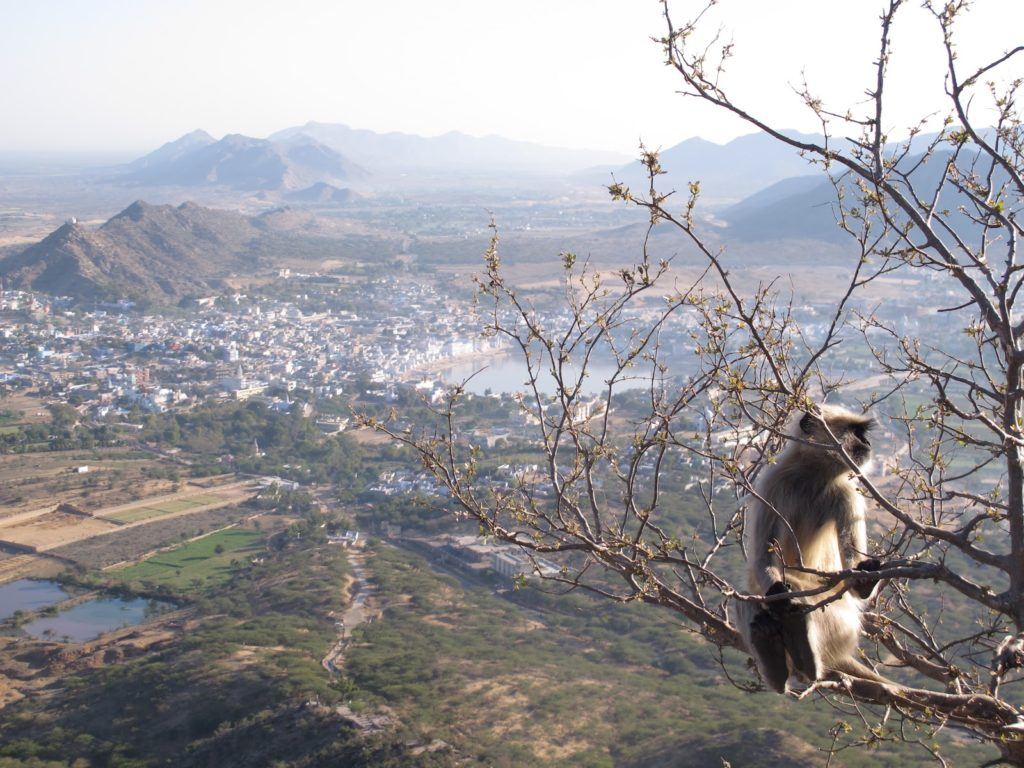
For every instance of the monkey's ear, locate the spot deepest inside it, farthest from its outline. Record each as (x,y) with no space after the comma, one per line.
(807,424)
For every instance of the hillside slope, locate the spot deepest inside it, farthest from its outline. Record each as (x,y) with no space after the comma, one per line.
(156,252)
(244,163)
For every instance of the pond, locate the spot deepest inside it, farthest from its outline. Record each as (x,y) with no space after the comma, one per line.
(87,621)
(29,595)
(507,374)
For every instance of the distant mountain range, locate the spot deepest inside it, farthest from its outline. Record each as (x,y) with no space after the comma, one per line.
(243,163)
(334,154)
(171,152)
(773,209)
(727,172)
(730,172)
(148,252)
(163,253)
(304,163)
(451,152)
(804,207)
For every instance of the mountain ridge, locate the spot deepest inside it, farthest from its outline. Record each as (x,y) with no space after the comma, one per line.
(727,172)
(243,163)
(173,150)
(324,193)
(150,252)
(452,151)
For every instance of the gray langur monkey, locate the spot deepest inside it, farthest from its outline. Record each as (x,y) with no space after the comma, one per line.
(809,513)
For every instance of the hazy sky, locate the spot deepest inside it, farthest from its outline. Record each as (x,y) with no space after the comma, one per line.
(128,75)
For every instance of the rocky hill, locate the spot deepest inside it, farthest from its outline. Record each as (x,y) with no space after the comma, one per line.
(242,162)
(148,252)
(804,207)
(172,151)
(323,193)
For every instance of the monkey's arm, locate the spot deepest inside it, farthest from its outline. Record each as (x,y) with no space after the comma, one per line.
(853,534)
(764,563)
(853,548)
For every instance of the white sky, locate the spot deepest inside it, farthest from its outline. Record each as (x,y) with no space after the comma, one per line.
(128,75)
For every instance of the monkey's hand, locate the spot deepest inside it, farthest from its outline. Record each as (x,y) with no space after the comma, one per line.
(778,588)
(865,588)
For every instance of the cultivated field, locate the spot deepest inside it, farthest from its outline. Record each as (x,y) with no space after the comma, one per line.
(114,476)
(135,514)
(196,561)
(51,513)
(192,499)
(24,409)
(130,542)
(49,528)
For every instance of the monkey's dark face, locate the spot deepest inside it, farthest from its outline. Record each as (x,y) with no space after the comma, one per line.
(852,430)
(857,441)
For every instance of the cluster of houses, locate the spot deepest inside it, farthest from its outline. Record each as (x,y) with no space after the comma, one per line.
(109,359)
(486,557)
(403,482)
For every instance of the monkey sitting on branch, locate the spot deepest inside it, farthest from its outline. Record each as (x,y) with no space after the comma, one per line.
(809,516)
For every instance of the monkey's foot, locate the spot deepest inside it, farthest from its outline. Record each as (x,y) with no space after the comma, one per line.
(796,635)
(766,635)
(798,688)
(801,691)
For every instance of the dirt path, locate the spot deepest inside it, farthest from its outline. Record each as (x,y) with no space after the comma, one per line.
(359,611)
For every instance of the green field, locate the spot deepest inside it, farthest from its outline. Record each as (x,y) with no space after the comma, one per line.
(165,508)
(10,417)
(197,560)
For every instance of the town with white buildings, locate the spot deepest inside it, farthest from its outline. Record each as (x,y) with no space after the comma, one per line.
(107,359)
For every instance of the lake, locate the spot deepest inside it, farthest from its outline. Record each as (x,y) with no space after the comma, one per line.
(87,621)
(507,374)
(29,595)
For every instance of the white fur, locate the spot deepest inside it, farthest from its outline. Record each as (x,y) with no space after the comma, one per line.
(810,513)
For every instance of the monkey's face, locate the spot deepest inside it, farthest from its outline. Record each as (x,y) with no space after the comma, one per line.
(857,441)
(850,429)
